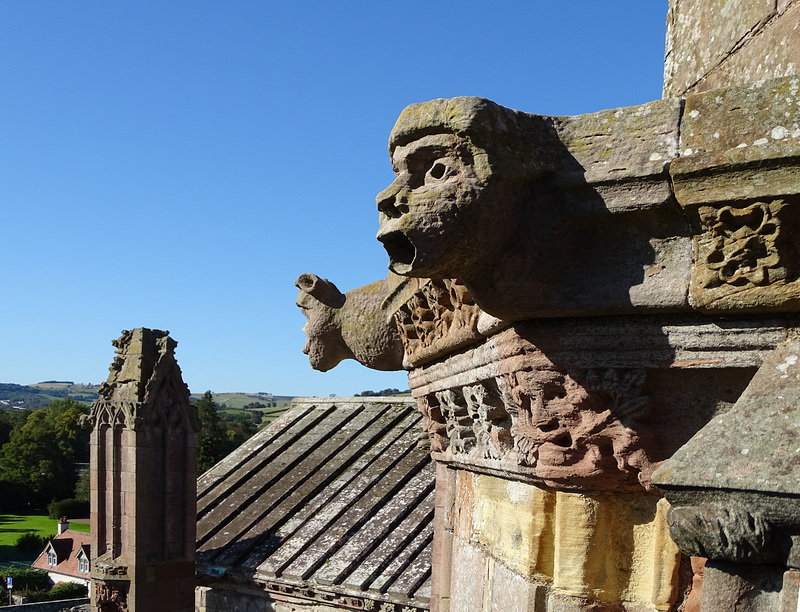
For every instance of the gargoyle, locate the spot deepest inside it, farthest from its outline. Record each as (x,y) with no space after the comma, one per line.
(356,325)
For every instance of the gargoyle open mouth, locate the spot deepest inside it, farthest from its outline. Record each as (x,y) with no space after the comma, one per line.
(399,248)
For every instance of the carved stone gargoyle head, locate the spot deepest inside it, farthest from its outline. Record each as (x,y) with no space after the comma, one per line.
(538,216)
(459,165)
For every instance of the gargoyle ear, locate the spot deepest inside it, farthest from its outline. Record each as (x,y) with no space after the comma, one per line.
(322,289)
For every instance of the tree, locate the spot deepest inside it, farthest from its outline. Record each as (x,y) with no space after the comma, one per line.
(67,590)
(40,455)
(239,427)
(33,459)
(384,393)
(82,487)
(6,426)
(211,439)
(11,419)
(72,438)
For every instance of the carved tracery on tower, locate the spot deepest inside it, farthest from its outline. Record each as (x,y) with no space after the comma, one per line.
(111,598)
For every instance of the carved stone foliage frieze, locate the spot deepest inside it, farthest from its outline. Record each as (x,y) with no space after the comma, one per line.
(721,533)
(577,429)
(747,256)
(438,318)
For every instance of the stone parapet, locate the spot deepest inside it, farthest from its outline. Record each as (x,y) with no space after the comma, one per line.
(64,605)
(665,207)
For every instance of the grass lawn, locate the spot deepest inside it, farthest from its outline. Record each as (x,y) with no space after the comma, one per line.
(14,525)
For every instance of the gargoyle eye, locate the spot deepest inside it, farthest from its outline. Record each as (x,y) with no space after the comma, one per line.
(438,170)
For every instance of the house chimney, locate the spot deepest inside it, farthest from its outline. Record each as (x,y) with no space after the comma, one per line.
(63,525)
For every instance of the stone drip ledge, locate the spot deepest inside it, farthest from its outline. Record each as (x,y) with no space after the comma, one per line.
(735,486)
(666,341)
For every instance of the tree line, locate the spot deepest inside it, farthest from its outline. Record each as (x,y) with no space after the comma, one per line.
(383,393)
(42,451)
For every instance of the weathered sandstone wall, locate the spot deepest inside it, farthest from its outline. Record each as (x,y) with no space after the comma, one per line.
(718,43)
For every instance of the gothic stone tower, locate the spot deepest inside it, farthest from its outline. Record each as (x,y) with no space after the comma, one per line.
(143,480)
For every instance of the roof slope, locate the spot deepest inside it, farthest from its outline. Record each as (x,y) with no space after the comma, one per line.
(333,497)
(66,545)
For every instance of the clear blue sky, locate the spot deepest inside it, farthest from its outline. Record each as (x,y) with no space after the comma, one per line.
(178,164)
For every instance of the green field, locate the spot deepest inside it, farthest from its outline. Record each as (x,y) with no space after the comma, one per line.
(267,415)
(236,401)
(231,404)
(14,525)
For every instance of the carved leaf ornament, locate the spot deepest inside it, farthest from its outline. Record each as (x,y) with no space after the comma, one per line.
(743,245)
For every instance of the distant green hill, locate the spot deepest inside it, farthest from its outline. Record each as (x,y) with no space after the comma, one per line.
(40,395)
(270,407)
(238,401)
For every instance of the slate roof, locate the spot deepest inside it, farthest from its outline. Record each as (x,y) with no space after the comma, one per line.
(334,497)
(66,545)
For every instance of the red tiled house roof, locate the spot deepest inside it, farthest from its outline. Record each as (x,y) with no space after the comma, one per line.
(62,555)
